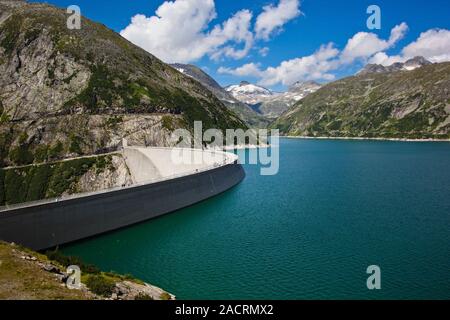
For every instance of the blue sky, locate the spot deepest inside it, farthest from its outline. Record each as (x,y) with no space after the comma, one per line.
(326,23)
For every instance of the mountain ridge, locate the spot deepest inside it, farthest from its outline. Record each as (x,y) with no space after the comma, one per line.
(65,93)
(280,103)
(268,103)
(249,93)
(408,65)
(411,104)
(252,118)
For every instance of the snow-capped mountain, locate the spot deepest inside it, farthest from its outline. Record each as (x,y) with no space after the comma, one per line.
(415,63)
(409,65)
(249,93)
(299,90)
(276,105)
(268,103)
(402,104)
(251,117)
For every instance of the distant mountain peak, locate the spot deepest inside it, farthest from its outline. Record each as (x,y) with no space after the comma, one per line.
(399,104)
(268,103)
(307,82)
(303,85)
(416,62)
(244,111)
(249,93)
(408,65)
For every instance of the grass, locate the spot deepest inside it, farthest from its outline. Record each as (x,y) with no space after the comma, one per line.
(63,260)
(165,296)
(113,122)
(55,151)
(142,296)
(11,30)
(100,285)
(21,155)
(167,123)
(75,144)
(24,280)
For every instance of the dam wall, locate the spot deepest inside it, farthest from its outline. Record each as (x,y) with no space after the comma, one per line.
(175,161)
(140,165)
(49,223)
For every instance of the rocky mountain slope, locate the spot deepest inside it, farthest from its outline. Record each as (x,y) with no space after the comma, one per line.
(249,93)
(268,103)
(397,104)
(66,92)
(276,105)
(408,65)
(252,118)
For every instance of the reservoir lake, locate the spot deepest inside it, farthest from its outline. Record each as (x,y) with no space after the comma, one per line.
(309,232)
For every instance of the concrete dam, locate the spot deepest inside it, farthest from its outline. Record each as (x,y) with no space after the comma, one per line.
(162,185)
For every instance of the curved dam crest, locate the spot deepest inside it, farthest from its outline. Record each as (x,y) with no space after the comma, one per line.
(160,186)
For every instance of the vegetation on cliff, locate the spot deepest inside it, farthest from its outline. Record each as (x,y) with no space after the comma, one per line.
(50,180)
(404,104)
(61,90)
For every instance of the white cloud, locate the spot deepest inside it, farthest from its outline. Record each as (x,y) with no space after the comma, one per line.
(397,33)
(385,60)
(433,44)
(313,67)
(274,17)
(249,69)
(235,29)
(181,31)
(364,44)
(264,51)
(178,32)
(327,59)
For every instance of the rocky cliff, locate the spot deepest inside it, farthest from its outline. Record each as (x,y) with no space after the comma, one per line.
(275,106)
(66,93)
(408,65)
(406,103)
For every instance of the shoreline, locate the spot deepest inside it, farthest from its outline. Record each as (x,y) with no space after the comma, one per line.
(239,147)
(44,276)
(245,147)
(366,138)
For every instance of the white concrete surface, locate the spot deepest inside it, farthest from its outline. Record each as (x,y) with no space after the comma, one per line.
(140,166)
(148,164)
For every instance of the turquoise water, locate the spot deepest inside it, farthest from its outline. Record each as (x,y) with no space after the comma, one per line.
(309,232)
